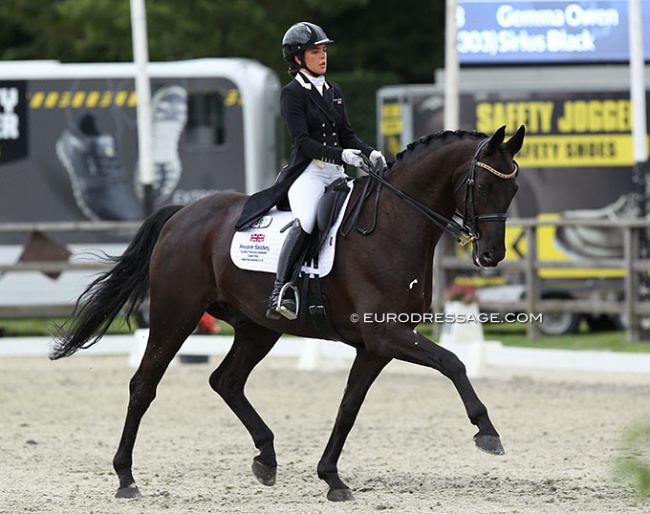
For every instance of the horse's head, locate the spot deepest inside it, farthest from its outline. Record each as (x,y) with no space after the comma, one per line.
(485,192)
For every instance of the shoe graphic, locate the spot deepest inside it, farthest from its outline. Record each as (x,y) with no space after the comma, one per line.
(169,116)
(99,182)
(596,241)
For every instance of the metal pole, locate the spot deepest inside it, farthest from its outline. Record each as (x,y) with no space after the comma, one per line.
(637,82)
(640,149)
(631,283)
(143,92)
(532,280)
(451,68)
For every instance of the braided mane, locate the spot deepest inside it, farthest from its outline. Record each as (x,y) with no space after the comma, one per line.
(439,139)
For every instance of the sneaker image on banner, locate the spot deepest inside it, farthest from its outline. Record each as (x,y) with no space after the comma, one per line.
(594,242)
(100,184)
(169,116)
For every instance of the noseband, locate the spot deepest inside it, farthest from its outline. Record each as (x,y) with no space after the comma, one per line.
(463,233)
(470,218)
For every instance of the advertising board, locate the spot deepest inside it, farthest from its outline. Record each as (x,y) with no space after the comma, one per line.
(576,161)
(546,31)
(68,138)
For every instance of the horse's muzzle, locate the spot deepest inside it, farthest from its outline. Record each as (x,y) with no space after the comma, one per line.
(488,259)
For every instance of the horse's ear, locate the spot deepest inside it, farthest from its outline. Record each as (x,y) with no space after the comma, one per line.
(515,143)
(496,140)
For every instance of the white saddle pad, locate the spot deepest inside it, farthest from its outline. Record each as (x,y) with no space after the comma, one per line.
(258,247)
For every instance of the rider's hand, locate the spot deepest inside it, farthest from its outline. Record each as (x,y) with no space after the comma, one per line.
(353,158)
(375,156)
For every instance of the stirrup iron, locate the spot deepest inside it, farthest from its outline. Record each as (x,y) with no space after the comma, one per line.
(290,315)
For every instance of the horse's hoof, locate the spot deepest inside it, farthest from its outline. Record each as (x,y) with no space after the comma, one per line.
(265,474)
(340,495)
(489,444)
(131,491)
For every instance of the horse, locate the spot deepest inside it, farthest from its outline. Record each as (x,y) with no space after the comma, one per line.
(180,258)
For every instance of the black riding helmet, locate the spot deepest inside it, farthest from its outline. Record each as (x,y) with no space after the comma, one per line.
(301,36)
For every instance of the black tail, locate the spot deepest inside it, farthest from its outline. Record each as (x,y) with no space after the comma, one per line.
(126,284)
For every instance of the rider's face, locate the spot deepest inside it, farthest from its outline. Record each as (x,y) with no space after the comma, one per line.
(316,59)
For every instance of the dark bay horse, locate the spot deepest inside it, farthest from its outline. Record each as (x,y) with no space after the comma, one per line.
(180,256)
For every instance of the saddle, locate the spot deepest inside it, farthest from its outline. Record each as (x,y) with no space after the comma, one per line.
(327,213)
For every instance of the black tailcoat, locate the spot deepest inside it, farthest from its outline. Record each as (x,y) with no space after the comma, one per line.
(319,129)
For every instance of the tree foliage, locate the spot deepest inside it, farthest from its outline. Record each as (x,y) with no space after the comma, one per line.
(377,42)
(404,41)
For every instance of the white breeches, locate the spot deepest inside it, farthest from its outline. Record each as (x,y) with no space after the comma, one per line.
(308,189)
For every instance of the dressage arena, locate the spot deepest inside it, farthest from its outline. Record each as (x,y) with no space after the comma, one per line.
(411,450)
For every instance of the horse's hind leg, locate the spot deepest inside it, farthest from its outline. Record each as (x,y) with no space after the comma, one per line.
(252,343)
(159,353)
(364,371)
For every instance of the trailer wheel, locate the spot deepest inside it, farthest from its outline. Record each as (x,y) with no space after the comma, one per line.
(559,323)
(604,323)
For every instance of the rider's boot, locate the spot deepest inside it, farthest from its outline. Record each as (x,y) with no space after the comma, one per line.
(287,262)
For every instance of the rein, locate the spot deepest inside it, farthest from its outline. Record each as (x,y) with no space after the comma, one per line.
(462,234)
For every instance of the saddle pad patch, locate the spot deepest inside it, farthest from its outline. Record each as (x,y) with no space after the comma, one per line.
(258,248)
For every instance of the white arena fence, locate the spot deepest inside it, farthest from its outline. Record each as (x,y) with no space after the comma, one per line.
(482,358)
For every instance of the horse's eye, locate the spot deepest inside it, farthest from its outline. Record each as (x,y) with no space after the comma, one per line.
(481,188)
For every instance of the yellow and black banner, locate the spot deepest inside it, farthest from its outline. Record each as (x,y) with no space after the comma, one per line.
(566,130)
(576,160)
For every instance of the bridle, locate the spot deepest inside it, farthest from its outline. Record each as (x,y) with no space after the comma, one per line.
(464,232)
(470,218)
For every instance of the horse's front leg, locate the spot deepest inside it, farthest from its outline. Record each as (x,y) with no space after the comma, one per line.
(395,341)
(364,371)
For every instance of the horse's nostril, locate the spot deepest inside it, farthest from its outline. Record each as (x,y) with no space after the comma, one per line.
(488,258)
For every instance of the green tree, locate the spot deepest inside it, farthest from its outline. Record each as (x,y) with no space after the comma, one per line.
(371,35)
(377,42)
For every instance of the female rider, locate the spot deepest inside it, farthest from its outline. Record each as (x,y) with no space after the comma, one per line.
(322,140)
